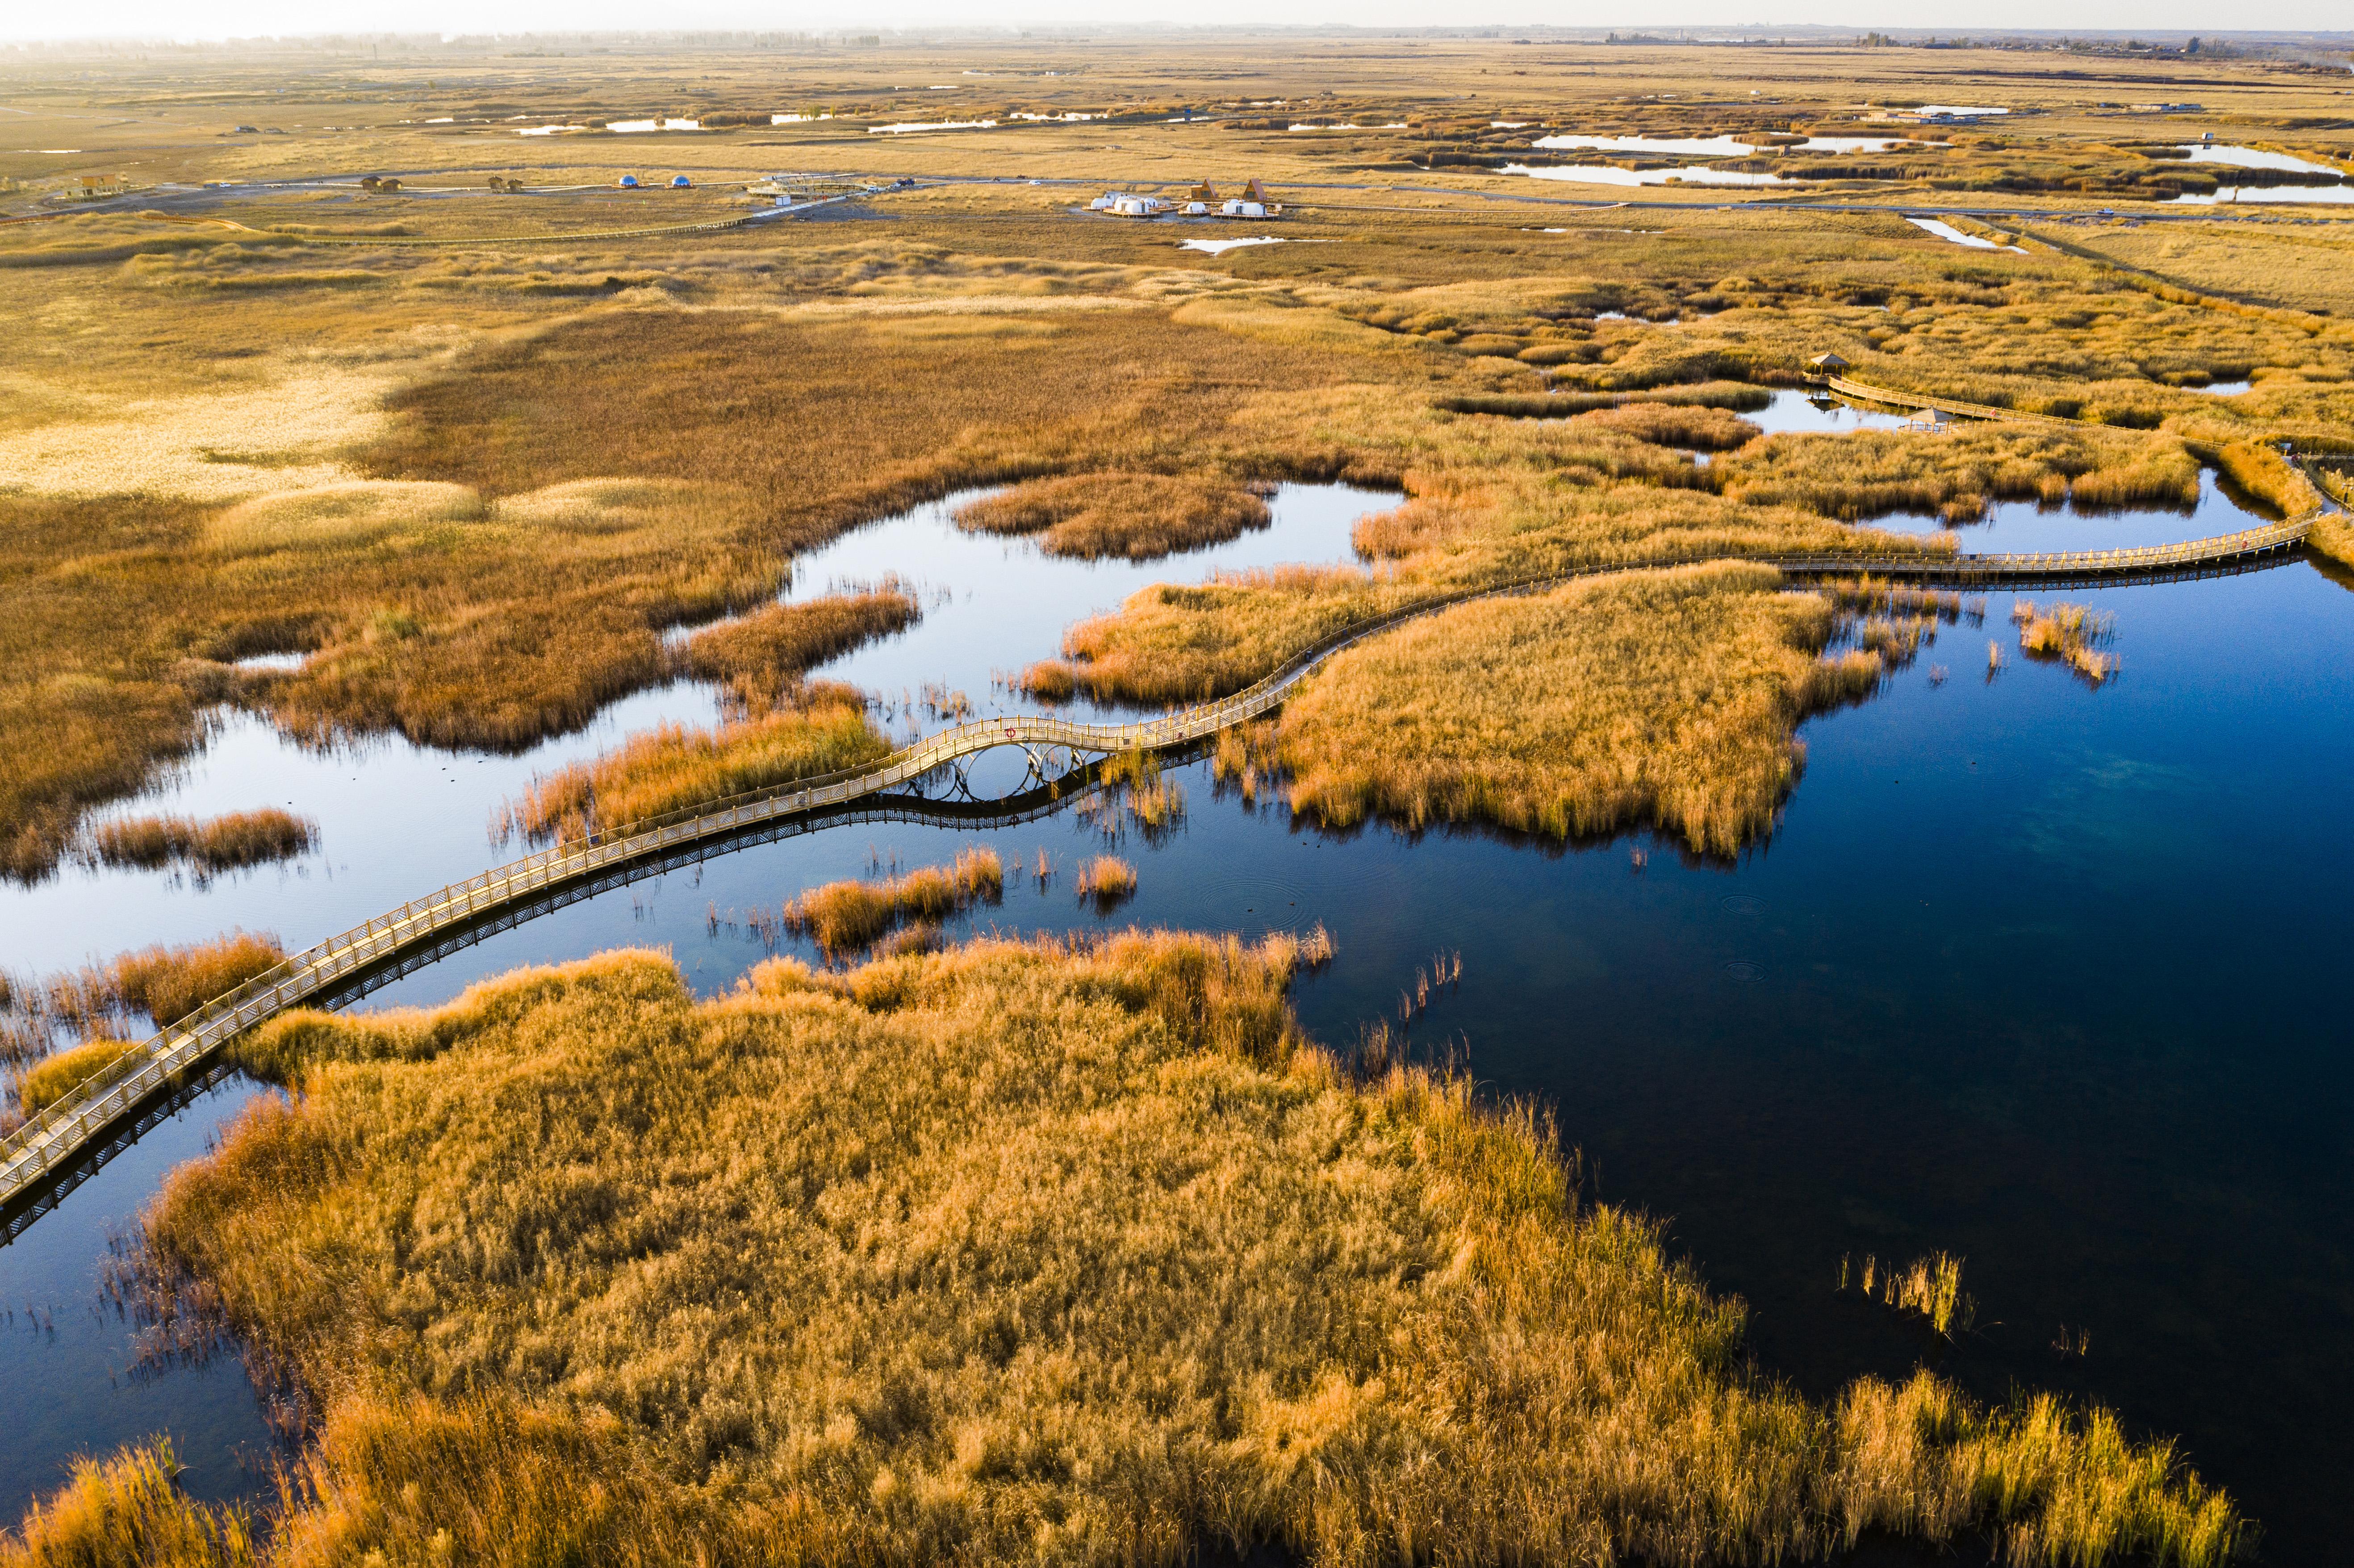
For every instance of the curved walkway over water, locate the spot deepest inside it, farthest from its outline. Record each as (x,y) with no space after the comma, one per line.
(337,968)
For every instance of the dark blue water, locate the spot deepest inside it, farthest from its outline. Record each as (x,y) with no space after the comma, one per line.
(2030,972)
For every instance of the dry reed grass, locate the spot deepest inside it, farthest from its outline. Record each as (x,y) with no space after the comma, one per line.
(48,1081)
(762,654)
(1140,516)
(1930,1286)
(672,767)
(164,983)
(1106,881)
(1869,473)
(1419,523)
(2070,634)
(1668,425)
(844,917)
(1153,1278)
(1657,699)
(1170,643)
(212,844)
(129,1509)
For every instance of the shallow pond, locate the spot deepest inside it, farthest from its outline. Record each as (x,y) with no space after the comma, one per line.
(2030,972)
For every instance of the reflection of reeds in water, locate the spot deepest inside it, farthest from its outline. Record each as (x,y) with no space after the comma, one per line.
(1931,1286)
(1106,881)
(1135,795)
(1444,973)
(2069,634)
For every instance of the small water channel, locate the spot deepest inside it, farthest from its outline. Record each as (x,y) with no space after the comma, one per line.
(2030,971)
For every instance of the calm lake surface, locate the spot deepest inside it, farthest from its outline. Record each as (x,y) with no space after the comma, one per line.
(2029,972)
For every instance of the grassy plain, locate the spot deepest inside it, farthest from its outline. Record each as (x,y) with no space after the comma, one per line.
(1096,1309)
(475,484)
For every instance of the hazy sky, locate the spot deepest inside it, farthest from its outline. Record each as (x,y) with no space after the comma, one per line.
(22,19)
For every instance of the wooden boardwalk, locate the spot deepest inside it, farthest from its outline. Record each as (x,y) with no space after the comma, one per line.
(50,1141)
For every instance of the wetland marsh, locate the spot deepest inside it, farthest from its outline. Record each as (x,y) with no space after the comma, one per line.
(1517,1035)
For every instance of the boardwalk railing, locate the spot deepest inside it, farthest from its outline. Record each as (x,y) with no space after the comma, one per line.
(51,1137)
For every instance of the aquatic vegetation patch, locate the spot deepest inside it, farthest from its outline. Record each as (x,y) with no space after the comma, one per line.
(762,654)
(578,1267)
(1141,516)
(2072,634)
(673,767)
(1662,700)
(162,983)
(226,842)
(1106,881)
(843,917)
(54,1076)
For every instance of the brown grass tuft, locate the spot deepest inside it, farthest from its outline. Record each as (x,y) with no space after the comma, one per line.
(1106,881)
(49,1080)
(846,916)
(763,653)
(129,1511)
(214,844)
(164,983)
(2070,634)
(1141,516)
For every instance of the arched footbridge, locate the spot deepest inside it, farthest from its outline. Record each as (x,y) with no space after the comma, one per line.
(49,1143)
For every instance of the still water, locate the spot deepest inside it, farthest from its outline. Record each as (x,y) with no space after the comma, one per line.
(2030,972)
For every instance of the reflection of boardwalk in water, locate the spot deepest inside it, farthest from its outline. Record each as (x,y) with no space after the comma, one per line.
(346,966)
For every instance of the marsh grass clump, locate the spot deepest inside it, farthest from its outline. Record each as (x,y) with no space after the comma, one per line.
(1182,644)
(1674,425)
(1140,516)
(163,983)
(1098,1238)
(844,917)
(2070,634)
(127,1509)
(1106,882)
(762,654)
(674,768)
(1644,699)
(1930,1286)
(228,843)
(1419,523)
(50,1079)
